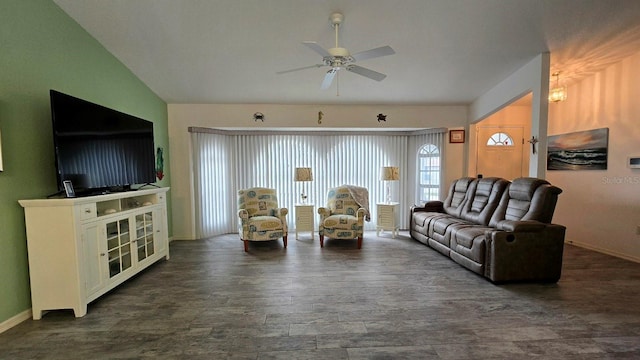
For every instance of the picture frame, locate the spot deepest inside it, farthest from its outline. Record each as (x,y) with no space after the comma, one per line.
(456,136)
(579,150)
(68,189)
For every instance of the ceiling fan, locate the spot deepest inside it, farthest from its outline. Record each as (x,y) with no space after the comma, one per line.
(339,58)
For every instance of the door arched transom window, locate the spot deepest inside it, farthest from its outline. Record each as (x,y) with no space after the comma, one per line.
(500,139)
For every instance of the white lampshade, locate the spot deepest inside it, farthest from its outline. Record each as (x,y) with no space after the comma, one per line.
(390,173)
(303,174)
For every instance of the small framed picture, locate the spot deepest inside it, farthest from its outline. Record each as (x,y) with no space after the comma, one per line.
(456,136)
(68,189)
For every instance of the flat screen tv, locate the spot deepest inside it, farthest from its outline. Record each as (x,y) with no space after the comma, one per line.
(100,149)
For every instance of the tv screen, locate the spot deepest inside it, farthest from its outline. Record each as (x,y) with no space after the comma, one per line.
(98,148)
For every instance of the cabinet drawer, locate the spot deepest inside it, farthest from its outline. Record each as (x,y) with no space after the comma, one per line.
(88,211)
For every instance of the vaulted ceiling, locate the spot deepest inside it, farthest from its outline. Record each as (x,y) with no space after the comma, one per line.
(447,51)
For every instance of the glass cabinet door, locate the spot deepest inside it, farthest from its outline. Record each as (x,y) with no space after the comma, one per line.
(118,246)
(144,235)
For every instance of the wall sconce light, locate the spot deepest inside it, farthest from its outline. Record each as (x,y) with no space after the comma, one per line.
(388,174)
(258,116)
(559,92)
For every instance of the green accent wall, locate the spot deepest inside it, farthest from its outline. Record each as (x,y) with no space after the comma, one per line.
(42,49)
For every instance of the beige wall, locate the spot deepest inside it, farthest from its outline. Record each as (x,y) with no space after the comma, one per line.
(290,117)
(601,209)
(512,115)
(531,78)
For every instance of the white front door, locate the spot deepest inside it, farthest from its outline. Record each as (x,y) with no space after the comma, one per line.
(500,152)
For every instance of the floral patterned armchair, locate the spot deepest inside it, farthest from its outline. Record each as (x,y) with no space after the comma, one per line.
(343,217)
(260,217)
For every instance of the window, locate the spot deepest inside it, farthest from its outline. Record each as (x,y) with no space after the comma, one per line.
(500,139)
(428,173)
(226,161)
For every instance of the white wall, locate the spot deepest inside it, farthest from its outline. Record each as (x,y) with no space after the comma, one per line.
(298,117)
(512,115)
(601,209)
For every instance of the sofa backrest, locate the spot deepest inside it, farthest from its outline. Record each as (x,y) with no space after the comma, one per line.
(483,197)
(527,199)
(457,194)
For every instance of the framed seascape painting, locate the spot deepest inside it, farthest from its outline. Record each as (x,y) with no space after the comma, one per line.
(582,150)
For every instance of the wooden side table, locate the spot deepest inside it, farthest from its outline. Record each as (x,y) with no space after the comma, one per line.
(388,218)
(305,219)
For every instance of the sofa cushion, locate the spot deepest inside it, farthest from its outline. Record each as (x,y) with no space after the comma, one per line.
(422,218)
(468,247)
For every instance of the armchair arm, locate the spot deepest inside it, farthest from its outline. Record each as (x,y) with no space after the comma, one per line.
(281,213)
(243,226)
(533,254)
(324,212)
(361,214)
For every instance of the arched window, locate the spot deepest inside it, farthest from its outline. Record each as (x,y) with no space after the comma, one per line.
(500,139)
(428,173)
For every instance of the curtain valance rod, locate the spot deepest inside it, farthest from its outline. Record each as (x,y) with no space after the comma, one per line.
(204,130)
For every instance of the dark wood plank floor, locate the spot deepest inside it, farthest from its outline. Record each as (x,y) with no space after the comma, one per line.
(394,299)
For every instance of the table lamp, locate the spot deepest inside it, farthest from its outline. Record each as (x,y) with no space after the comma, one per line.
(303,174)
(388,174)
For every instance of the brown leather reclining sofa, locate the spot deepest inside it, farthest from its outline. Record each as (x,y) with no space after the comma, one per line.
(499,229)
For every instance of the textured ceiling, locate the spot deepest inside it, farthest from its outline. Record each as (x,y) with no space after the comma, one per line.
(447,51)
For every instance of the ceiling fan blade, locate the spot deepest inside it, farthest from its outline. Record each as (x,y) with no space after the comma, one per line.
(373,53)
(317,48)
(374,75)
(300,68)
(328,78)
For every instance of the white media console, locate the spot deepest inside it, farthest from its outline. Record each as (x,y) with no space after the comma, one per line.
(80,248)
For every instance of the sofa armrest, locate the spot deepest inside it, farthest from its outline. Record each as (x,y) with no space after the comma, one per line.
(525,255)
(243,214)
(521,225)
(429,206)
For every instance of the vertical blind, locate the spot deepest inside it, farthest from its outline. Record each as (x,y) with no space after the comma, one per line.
(226,162)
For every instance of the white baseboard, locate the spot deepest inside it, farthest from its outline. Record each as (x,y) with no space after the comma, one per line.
(11,322)
(604,251)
